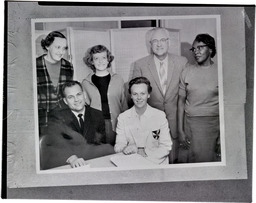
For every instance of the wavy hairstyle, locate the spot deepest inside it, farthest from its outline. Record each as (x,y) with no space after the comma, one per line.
(50,38)
(88,59)
(140,80)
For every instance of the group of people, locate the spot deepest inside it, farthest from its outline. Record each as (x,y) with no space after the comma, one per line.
(174,117)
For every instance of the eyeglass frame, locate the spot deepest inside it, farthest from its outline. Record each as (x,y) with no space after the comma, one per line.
(198,48)
(156,41)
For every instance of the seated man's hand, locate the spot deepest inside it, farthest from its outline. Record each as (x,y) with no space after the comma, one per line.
(130,149)
(74,161)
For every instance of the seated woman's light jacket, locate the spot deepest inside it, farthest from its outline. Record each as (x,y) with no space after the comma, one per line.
(153,122)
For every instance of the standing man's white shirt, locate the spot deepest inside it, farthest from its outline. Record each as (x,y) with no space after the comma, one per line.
(165,66)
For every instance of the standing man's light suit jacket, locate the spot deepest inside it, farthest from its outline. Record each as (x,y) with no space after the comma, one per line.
(158,142)
(168,103)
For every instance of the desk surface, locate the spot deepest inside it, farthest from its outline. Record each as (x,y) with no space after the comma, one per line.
(94,163)
(120,160)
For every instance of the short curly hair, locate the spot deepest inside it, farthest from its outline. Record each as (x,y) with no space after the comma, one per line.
(88,59)
(208,40)
(50,38)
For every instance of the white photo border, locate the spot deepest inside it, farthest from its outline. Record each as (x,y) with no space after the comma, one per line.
(226,169)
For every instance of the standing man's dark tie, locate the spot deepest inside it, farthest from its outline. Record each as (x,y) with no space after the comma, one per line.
(81,121)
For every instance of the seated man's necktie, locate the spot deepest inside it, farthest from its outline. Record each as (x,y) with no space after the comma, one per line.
(81,121)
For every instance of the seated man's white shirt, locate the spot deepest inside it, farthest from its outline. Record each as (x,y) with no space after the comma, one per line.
(76,114)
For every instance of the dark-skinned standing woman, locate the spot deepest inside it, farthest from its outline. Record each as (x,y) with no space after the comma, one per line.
(198,105)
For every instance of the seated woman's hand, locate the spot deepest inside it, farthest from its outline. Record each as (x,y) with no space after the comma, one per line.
(141,151)
(74,161)
(184,140)
(130,149)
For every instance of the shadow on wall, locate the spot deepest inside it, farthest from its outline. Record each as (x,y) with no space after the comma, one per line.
(126,87)
(187,53)
(39,50)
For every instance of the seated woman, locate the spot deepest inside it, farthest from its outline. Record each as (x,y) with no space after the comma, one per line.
(143,129)
(198,105)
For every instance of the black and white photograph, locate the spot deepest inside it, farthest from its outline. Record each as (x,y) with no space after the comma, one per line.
(96,71)
(112,96)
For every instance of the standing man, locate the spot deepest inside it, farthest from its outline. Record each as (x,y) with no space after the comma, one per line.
(163,71)
(75,133)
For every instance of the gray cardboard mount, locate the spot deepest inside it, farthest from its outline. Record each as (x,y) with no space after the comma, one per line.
(20,115)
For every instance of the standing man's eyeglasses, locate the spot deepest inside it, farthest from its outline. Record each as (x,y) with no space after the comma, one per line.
(156,41)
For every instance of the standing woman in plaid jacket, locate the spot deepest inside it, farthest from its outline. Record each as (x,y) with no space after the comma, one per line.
(52,72)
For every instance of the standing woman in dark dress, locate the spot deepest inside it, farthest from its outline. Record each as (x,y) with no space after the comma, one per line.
(52,71)
(105,89)
(198,105)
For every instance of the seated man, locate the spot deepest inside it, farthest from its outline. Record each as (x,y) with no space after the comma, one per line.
(74,134)
(143,129)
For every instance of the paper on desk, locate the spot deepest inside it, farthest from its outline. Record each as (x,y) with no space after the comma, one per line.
(132,160)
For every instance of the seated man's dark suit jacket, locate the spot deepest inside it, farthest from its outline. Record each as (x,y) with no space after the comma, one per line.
(64,138)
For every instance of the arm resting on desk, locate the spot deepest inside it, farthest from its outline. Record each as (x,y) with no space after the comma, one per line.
(61,142)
